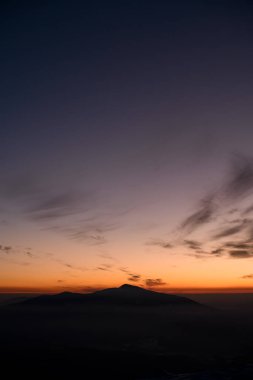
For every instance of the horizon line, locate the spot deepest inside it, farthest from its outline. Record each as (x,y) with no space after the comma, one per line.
(90,289)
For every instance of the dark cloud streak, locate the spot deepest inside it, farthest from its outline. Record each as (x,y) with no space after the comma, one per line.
(241,181)
(6,249)
(203,215)
(247,277)
(233,230)
(240,254)
(151,282)
(134,277)
(160,243)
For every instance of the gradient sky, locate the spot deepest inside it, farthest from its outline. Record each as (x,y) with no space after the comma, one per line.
(126,145)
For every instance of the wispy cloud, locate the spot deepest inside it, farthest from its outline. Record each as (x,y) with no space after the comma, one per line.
(29,254)
(193,244)
(228,231)
(222,212)
(72,266)
(105,267)
(248,210)
(240,254)
(217,251)
(91,233)
(240,182)
(5,249)
(247,277)
(131,275)
(55,206)
(160,243)
(12,250)
(107,257)
(151,282)
(238,245)
(70,212)
(40,202)
(204,214)
(124,269)
(134,277)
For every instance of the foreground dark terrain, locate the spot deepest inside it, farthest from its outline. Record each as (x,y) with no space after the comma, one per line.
(126,333)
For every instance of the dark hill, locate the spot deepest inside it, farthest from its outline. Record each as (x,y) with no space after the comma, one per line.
(124,295)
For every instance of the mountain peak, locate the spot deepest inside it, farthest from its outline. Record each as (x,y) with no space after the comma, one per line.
(128,286)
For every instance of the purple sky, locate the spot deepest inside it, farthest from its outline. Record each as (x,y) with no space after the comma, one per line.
(126,132)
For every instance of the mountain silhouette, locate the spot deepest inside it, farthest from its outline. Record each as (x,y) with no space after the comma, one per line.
(124,295)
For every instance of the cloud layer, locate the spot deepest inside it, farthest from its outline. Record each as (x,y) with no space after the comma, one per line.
(209,229)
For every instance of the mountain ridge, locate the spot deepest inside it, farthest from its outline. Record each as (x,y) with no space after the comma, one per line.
(125,294)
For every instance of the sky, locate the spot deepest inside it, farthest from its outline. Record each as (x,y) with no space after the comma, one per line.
(126,145)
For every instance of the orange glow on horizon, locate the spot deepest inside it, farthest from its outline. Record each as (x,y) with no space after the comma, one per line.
(89,289)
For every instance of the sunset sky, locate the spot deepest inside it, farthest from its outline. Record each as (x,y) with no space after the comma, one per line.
(126,145)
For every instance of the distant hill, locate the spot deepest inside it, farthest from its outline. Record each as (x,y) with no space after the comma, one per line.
(128,295)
